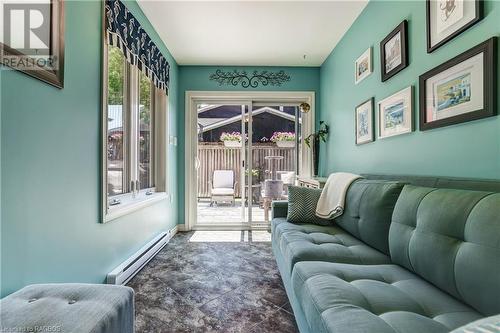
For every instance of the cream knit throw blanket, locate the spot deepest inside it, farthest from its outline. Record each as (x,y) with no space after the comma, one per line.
(332,200)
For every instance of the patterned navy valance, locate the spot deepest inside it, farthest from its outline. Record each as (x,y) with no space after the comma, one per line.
(124,31)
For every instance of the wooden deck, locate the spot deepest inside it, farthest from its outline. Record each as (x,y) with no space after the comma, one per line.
(226,214)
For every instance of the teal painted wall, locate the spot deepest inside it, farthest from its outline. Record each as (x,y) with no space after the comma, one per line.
(50,173)
(466,150)
(196,78)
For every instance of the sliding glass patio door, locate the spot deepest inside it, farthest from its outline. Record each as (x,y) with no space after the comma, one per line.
(272,157)
(220,164)
(247,155)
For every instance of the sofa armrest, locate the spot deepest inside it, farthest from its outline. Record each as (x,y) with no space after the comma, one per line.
(279,209)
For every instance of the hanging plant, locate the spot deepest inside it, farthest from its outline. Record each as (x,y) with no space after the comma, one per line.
(234,136)
(321,134)
(317,137)
(283,136)
(284,139)
(232,140)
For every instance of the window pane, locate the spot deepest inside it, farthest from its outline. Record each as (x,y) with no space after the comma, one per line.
(116,121)
(145,132)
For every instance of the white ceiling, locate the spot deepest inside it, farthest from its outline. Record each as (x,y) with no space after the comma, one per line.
(253,33)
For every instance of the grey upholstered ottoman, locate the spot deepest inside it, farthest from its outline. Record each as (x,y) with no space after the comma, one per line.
(69,308)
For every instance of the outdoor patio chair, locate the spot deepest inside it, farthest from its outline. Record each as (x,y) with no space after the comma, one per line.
(223,187)
(288,178)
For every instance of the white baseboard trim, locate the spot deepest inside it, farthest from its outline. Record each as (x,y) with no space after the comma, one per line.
(131,266)
(181,227)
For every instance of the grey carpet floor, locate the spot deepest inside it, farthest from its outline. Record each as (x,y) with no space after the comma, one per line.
(212,287)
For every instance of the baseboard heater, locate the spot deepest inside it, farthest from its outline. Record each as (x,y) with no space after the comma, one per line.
(129,268)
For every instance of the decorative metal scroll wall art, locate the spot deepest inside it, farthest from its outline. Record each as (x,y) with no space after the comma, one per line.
(252,80)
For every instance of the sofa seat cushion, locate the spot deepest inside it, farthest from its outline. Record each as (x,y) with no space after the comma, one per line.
(77,308)
(374,298)
(280,225)
(308,242)
(275,222)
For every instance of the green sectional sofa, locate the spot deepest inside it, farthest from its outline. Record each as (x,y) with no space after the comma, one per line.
(402,258)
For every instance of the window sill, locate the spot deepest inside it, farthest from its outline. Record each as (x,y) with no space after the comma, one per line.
(132,205)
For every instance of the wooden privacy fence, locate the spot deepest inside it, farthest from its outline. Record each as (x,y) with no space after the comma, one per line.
(216,156)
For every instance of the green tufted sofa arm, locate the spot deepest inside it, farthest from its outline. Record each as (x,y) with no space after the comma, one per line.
(279,209)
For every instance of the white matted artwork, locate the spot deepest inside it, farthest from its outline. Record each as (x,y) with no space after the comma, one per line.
(394,51)
(364,122)
(363,66)
(393,56)
(462,89)
(457,90)
(448,13)
(448,18)
(395,114)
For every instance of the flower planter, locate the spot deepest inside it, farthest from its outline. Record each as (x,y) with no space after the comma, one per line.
(232,144)
(285,144)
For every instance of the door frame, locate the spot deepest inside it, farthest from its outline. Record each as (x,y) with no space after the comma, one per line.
(192,98)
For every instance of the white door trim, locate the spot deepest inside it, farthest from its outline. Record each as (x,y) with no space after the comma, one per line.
(223,97)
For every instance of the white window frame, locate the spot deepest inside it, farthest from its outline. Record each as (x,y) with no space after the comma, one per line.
(135,198)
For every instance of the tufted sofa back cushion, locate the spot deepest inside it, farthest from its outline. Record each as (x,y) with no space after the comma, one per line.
(368,211)
(451,238)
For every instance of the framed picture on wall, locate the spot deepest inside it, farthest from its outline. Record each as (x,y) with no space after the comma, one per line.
(447,19)
(363,66)
(394,51)
(365,129)
(42,54)
(395,114)
(462,89)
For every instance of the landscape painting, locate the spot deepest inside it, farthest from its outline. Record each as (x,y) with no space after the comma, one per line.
(363,66)
(461,89)
(394,114)
(454,92)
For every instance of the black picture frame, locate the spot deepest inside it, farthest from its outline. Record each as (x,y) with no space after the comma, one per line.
(403,29)
(489,48)
(478,17)
(372,126)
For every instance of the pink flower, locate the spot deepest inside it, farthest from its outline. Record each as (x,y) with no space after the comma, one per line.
(283,136)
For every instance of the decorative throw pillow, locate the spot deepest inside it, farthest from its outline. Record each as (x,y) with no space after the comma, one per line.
(302,202)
